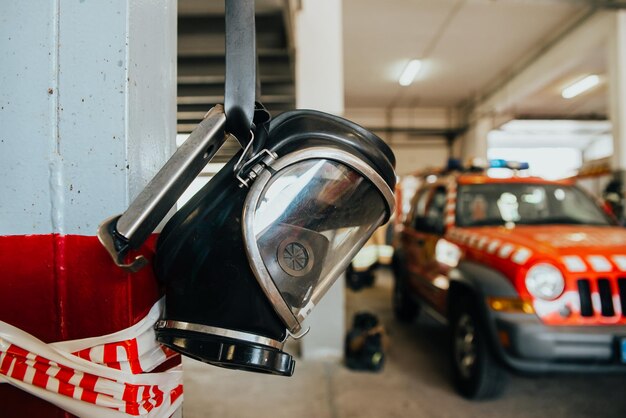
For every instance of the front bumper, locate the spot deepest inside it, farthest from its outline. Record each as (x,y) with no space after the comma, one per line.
(533,347)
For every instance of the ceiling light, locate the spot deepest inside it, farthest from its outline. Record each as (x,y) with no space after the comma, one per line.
(409,73)
(580,86)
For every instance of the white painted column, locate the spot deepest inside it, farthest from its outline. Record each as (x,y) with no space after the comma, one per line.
(319,86)
(88,108)
(617,89)
(319,56)
(474,142)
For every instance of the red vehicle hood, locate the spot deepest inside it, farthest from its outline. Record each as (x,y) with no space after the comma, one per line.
(558,240)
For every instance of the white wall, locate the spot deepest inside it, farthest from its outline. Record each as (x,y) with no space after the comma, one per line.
(412,152)
(419,157)
(404,117)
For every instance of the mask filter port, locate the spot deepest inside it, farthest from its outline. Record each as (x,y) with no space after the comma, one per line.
(295,257)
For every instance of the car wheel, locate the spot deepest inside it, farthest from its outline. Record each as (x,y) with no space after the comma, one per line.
(477,375)
(404,307)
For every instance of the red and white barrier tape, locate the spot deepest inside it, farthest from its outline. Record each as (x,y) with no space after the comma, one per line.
(100,377)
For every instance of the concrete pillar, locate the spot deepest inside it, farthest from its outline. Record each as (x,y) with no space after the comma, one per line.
(319,86)
(88,105)
(617,110)
(319,56)
(87,110)
(617,89)
(474,142)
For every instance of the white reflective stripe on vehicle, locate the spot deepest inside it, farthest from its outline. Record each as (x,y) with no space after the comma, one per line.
(521,256)
(620,261)
(482,242)
(599,263)
(505,251)
(493,246)
(574,264)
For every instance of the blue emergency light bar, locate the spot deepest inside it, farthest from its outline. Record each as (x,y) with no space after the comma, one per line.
(512,165)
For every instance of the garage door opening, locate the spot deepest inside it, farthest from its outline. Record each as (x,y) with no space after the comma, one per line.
(554,149)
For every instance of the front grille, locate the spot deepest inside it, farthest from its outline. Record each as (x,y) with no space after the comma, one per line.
(621,285)
(584,290)
(606,297)
(604,288)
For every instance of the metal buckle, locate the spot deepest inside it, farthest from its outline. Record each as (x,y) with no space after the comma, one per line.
(256,164)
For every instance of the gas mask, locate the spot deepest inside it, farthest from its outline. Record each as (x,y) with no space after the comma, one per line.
(249,257)
(246,260)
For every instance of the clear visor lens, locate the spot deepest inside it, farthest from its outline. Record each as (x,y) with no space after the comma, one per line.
(311,220)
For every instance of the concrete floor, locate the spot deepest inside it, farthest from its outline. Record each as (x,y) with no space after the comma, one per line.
(414,383)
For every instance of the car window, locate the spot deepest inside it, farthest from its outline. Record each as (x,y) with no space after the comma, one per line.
(435,211)
(526,204)
(419,209)
(428,212)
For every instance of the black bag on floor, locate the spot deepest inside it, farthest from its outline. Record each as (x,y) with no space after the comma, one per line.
(358,280)
(365,343)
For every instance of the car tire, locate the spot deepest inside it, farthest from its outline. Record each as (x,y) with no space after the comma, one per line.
(477,374)
(405,308)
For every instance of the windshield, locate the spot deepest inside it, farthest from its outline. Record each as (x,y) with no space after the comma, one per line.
(526,204)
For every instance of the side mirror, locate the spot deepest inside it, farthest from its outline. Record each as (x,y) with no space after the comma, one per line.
(610,209)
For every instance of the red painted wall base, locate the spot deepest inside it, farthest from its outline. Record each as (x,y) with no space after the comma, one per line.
(65,287)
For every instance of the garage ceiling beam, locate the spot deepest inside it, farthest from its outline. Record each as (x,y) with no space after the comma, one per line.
(570,47)
(527,116)
(419,132)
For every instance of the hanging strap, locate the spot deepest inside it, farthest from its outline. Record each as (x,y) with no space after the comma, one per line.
(241,74)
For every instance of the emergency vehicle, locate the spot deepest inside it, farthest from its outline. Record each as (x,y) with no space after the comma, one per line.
(530,275)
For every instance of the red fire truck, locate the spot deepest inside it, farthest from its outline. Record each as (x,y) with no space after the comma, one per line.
(529,274)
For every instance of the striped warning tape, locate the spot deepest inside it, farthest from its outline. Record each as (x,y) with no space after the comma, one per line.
(112,372)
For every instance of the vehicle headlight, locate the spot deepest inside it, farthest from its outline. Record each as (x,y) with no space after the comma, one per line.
(545,281)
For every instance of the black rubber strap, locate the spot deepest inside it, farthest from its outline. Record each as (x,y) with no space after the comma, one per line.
(241,74)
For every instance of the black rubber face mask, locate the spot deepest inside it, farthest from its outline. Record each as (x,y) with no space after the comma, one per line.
(246,260)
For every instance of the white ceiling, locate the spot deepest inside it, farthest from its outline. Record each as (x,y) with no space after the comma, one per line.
(465,46)
(548,101)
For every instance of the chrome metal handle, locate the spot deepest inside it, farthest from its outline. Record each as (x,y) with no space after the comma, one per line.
(130,230)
